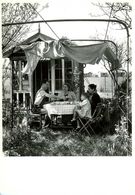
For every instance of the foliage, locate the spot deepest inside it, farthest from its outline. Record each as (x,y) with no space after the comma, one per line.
(47,142)
(119,11)
(6,74)
(23,141)
(124,99)
(15,119)
(15,137)
(6,113)
(122,143)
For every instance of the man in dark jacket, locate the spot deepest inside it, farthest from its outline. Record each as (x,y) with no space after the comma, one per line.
(93,97)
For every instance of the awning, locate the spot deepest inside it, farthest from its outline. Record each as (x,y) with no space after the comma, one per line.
(86,54)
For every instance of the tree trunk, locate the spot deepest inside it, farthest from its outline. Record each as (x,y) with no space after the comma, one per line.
(78,79)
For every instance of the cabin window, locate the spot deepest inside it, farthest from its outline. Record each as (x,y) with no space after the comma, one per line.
(24,76)
(14,99)
(16,81)
(27,99)
(20,99)
(68,71)
(58,74)
(49,77)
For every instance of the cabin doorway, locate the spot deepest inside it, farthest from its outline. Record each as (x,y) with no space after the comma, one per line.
(40,74)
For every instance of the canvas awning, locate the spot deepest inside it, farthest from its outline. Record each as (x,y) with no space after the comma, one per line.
(86,54)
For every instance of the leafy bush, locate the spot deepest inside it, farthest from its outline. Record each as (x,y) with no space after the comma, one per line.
(15,137)
(22,141)
(67,143)
(6,113)
(123,142)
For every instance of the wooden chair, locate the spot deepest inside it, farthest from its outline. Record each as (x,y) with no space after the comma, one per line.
(35,116)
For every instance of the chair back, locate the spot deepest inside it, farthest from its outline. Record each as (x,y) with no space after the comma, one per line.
(33,108)
(98,111)
(102,111)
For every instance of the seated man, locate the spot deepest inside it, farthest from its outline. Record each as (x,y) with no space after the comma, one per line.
(42,97)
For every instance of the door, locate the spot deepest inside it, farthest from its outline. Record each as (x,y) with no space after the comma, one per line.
(40,74)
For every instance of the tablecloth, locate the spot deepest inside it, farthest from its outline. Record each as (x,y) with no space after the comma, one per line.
(62,108)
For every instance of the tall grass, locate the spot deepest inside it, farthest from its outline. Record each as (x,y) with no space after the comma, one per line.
(47,142)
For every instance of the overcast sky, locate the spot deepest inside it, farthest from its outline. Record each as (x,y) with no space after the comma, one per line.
(69,9)
(74,9)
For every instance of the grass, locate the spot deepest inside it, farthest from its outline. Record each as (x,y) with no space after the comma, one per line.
(48,142)
(22,141)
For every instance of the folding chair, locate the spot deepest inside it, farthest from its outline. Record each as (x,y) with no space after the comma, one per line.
(96,118)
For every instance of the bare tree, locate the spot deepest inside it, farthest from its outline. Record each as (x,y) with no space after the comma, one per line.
(120,11)
(18,12)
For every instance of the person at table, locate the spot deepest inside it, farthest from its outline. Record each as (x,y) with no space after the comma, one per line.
(94,97)
(42,95)
(66,94)
(82,109)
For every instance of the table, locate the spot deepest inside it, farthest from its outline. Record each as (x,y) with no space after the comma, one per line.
(60,108)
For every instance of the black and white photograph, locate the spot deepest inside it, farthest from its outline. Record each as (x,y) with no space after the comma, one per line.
(67,97)
(66,79)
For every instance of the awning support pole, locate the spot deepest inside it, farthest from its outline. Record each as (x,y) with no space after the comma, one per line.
(127,100)
(12,108)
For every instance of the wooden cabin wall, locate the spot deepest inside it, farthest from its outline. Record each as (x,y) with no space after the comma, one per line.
(21,91)
(26,86)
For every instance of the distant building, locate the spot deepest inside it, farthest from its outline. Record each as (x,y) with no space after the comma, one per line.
(89,74)
(104,74)
(105,84)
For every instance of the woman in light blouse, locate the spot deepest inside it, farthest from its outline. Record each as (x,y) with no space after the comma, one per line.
(66,94)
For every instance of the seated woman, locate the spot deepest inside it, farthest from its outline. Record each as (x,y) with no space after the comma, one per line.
(83,109)
(66,94)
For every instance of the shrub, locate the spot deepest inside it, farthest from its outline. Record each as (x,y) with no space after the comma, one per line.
(122,144)
(6,113)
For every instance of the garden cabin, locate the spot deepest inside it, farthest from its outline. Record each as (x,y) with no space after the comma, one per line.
(56,71)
